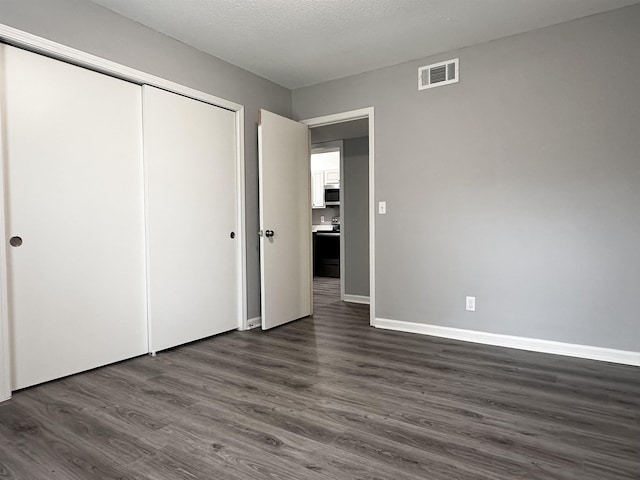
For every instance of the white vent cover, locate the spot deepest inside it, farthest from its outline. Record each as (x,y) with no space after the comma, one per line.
(438,74)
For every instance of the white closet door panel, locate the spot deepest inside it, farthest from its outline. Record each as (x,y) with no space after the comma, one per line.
(75,196)
(191,212)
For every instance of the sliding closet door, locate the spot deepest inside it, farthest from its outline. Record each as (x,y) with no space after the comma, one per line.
(191,218)
(75,218)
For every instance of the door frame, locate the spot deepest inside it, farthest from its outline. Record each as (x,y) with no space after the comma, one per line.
(348,116)
(33,43)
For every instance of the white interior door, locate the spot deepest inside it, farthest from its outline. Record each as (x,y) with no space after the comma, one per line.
(190,171)
(285,220)
(75,200)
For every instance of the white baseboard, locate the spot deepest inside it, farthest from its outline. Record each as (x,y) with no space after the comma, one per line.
(355,299)
(521,343)
(253,323)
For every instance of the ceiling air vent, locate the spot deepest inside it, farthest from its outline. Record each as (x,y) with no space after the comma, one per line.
(438,74)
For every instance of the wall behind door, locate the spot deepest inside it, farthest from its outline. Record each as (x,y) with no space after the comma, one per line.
(355,188)
(96,30)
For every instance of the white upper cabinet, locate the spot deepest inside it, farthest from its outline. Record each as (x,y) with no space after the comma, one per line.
(325,170)
(317,189)
(332,177)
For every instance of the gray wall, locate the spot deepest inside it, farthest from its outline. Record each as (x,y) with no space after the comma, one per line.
(93,29)
(519,185)
(355,223)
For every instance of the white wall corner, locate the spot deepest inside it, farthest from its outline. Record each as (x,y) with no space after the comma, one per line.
(521,343)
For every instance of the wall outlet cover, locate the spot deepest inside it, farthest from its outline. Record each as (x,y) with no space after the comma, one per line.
(471,304)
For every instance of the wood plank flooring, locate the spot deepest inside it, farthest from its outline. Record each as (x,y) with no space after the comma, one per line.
(328,397)
(326,290)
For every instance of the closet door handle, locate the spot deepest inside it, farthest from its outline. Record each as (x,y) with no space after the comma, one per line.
(15,241)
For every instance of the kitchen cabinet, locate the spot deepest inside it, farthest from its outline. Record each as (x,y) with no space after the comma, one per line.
(332,177)
(317,189)
(325,172)
(326,254)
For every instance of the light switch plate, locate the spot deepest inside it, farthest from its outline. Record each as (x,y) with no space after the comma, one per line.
(382,208)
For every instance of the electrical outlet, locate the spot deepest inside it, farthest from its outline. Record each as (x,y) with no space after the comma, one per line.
(321,218)
(471,304)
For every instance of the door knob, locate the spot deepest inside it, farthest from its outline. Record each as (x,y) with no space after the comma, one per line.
(269,233)
(15,241)
(232,234)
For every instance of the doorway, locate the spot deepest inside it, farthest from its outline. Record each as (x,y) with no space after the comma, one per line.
(351,134)
(285,214)
(327,190)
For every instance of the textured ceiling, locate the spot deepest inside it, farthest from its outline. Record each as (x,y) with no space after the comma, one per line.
(303,42)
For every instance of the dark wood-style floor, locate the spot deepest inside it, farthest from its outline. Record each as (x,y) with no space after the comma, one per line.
(329,397)
(326,290)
